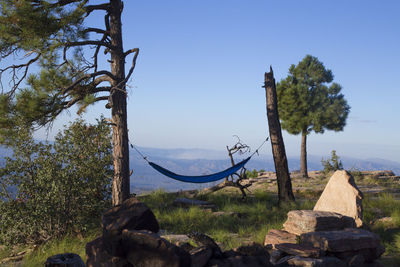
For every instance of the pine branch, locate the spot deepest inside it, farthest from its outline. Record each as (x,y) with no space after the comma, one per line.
(88,76)
(16,81)
(89,42)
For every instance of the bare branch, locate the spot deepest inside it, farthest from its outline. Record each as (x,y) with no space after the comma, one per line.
(89,9)
(136,51)
(100,89)
(89,42)
(96,30)
(16,81)
(101,79)
(88,76)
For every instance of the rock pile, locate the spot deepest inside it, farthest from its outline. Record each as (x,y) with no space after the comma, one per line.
(130,238)
(322,239)
(327,235)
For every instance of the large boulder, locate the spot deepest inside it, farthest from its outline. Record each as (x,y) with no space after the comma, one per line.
(132,215)
(145,248)
(96,256)
(304,221)
(342,195)
(346,243)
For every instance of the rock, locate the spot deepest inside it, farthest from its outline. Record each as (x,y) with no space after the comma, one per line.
(144,248)
(376,174)
(284,260)
(279,236)
(311,262)
(96,256)
(299,250)
(275,255)
(342,195)
(346,243)
(252,250)
(200,256)
(65,260)
(356,261)
(205,240)
(240,261)
(342,240)
(132,215)
(178,240)
(304,221)
(186,246)
(187,203)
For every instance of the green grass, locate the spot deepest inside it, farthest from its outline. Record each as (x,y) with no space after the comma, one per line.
(389,231)
(68,244)
(255,216)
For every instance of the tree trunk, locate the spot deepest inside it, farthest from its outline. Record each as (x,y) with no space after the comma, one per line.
(285,192)
(120,184)
(303,155)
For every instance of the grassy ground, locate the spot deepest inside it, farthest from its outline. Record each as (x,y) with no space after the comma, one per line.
(250,222)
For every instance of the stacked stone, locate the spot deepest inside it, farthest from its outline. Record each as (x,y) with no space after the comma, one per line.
(130,238)
(327,235)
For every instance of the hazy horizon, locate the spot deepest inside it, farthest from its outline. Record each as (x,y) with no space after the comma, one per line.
(201,66)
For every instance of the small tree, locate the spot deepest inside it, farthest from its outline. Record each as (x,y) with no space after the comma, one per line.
(47,190)
(51,35)
(332,164)
(309,101)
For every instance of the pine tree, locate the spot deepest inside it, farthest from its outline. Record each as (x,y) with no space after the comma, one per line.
(52,35)
(309,101)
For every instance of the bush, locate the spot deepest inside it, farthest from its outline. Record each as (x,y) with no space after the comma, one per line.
(252,174)
(48,190)
(332,164)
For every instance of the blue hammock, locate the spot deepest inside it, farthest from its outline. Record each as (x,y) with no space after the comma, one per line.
(200,179)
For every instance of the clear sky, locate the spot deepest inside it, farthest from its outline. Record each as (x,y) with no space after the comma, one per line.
(201,67)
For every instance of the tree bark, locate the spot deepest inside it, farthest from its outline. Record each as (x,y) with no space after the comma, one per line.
(285,192)
(120,185)
(303,155)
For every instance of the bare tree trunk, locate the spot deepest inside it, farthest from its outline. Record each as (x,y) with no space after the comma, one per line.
(285,192)
(303,155)
(120,185)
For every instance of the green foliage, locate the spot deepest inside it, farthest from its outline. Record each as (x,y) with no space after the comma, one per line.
(47,190)
(252,174)
(49,35)
(332,164)
(309,101)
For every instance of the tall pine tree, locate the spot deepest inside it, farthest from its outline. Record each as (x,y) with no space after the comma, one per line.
(309,101)
(51,35)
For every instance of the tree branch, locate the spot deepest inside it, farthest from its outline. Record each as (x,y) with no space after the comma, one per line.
(89,9)
(96,30)
(16,81)
(88,76)
(89,42)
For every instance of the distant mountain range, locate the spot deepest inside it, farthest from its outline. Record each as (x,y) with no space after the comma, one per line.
(203,161)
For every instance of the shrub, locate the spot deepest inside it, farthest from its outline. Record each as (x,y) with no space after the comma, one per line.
(48,190)
(252,174)
(332,164)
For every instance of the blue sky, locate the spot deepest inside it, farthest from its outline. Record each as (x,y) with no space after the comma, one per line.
(201,67)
